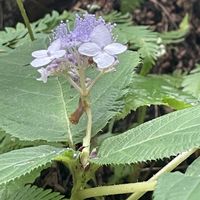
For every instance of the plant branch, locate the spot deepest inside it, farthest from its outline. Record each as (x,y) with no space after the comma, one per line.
(82,81)
(25,17)
(87,138)
(118,189)
(95,80)
(168,168)
(74,84)
(87,108)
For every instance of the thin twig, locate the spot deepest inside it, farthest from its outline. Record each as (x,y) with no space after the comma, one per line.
(25,17)
(118,189)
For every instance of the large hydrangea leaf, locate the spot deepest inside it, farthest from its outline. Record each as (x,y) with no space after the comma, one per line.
(32,110)
(17,163)
(177,186)
(159,138)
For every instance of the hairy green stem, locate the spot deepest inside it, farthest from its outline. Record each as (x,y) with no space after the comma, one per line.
(86,105)
(87,138)
(82,81)
(168,168)
(25,17)
(117,189)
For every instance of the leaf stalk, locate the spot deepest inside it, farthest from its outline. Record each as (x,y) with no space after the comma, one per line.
(168,168)
(118,189)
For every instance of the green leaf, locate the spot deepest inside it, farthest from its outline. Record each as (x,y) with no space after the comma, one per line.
(8,189)
(191,82)
(155,90)
(129,5)
(143,39)
(119,18)
(177,186)
(31,110)
(177,35)
(34,193)
(8,143)
(11,38)
(11,35)
(19,162)
(48,23)
(159,138)
(194,168)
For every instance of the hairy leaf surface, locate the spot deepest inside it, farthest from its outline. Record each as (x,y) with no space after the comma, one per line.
(34,193)
(19,162)
(191,82)
(177,186)
(143,39)
(162,137)
(156,90)
(194,168)
(177,35)
(32,110)
(8,189)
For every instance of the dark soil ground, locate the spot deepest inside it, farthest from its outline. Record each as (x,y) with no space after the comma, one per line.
(160,15)
(166,15)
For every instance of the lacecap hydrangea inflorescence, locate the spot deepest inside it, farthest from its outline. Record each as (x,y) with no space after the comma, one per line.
(90,39)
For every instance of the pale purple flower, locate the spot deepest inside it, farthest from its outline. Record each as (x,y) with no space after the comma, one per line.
(48,71)
(90,36)
(83,28)
(101,47)
(56,67)
(44,57)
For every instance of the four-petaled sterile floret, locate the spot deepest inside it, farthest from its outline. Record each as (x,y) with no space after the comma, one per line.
(44,57)
(101,47)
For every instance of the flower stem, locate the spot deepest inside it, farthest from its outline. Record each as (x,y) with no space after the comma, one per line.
(168,168)
(87,138)
(95,80)
(74,84)
(118,189)
(82,81)
(86,105)
(25,17)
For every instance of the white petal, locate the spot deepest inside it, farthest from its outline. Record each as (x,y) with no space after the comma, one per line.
(55,46)
(89,49)
(115,48)
(39,54)
(59,54)
(101,36)
(39,62)
(44,74)
(104,60)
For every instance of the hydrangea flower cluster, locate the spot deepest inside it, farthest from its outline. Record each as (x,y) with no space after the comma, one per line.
(90,38)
